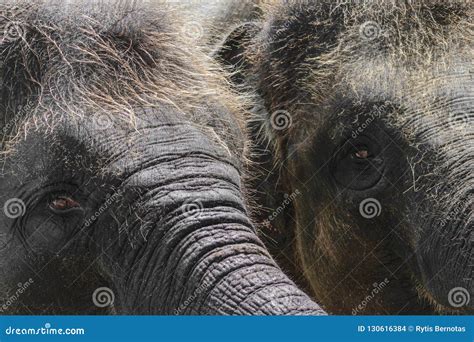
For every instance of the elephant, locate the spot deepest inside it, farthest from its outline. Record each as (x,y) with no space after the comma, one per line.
(123,151)
(363,136)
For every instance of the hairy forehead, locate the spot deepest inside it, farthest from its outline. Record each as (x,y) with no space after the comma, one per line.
(90,58)
(64,25)
(106,13)
(372,50)
(397,22)
(381,79)
(55,53)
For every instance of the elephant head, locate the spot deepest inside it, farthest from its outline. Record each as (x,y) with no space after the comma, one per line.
(122,152)
(365,124)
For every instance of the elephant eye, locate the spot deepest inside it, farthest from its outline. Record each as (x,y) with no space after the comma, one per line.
(63,204)
(362,153)
(359,163)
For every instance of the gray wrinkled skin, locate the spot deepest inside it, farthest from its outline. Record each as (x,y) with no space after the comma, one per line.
(365,123)
(122,152)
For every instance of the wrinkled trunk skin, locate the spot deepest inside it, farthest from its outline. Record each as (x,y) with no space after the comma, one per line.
(445,245)
(189,247)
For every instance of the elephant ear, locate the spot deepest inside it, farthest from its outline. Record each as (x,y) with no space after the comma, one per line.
(231,51)
(273,210)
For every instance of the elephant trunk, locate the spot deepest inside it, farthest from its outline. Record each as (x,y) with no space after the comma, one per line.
(237,276)
(209,259)
(188,247)
(225,269)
